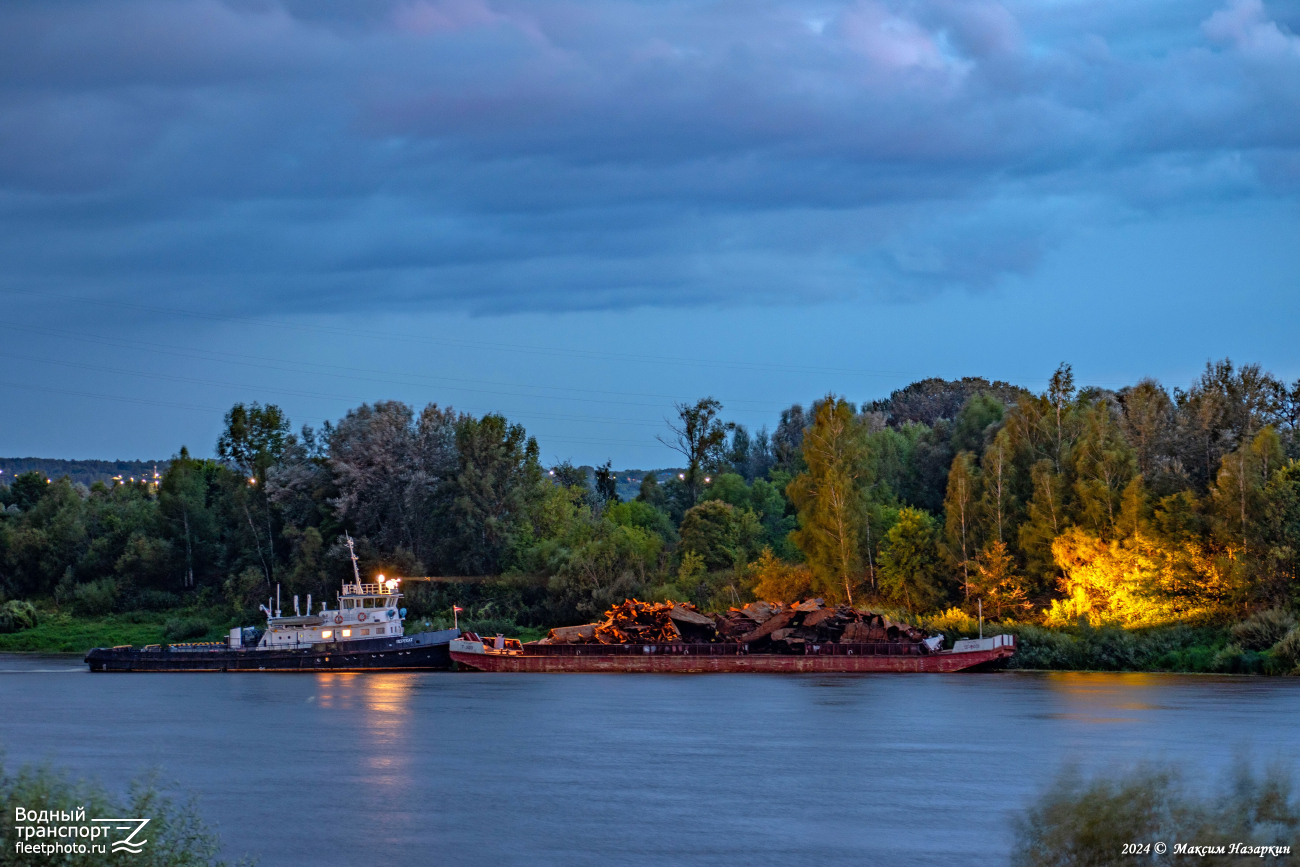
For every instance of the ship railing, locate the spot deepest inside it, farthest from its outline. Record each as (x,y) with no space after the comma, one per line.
(365,590)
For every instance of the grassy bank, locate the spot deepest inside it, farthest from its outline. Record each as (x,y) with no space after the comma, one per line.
(67,633)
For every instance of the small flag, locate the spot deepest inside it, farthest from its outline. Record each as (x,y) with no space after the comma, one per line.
(457,608)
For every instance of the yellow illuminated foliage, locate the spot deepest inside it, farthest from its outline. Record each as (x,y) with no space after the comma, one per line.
(776,579)
(1138,582)
(996,583)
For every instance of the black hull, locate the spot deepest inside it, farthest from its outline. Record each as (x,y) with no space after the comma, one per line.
(422,652)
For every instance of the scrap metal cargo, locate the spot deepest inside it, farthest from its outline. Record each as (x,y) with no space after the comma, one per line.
(760,637)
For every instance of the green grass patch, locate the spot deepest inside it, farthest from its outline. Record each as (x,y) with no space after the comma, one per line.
(64,633)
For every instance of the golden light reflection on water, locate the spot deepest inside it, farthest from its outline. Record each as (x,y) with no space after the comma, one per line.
(1103,698)
(383,702)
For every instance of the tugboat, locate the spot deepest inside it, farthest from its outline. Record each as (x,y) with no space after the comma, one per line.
(364,633)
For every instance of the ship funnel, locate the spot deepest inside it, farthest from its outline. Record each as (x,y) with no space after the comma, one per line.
(297,612)
(309,605)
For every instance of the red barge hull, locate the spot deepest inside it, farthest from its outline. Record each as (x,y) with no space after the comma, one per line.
(697,659)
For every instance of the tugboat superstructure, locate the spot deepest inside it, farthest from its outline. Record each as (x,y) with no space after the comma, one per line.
(364,612)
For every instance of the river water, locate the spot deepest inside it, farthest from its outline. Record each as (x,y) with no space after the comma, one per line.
(432,768)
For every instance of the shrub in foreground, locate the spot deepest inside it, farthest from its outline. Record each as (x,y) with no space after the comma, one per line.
(17,615)
(176,836)
(184,628)
(1082,822)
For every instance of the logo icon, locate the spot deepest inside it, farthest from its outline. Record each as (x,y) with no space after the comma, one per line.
(129,843)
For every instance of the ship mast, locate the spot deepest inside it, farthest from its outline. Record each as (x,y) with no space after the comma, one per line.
(352,552)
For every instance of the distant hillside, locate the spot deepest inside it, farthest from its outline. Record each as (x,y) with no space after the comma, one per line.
(629,481)
(89,472)
(86,472)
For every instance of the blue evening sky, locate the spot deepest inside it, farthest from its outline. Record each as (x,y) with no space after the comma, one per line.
(576,213)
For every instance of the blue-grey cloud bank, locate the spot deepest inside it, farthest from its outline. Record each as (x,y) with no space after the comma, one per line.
(494,156)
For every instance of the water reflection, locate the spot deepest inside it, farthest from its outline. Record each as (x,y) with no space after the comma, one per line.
(1103,698)
(378,705)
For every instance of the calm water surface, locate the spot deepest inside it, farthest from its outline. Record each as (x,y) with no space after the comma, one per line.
(418,769)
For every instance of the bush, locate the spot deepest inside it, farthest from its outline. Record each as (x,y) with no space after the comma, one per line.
(157,600)
(1264,629)
(1078,822)
(1233,659)
(16,616)
(1287,651)
(488,628)
(1176,648)
(182,628)
(96,598)
(176,836)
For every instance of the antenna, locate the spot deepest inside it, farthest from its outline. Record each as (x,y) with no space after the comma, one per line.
(277,600)
(352,552)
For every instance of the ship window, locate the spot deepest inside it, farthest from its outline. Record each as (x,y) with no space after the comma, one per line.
(369,603)
(347,603)
(347,633)
(328,633)
(365,632)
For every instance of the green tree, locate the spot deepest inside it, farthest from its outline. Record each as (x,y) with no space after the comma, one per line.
(251,443)
(996,583)
(1060,394)
(498,484)
(1279,536)
(606,483)
(27,490)
(1238,492)
(998,502)
(253,439)
(638,513)
(830,499)
(1104,463)
(971,426)
(910,565)
(651,492)
(183,500)
(700,436)
(1148,423)
(1045,520)
(959,514)
(720,534)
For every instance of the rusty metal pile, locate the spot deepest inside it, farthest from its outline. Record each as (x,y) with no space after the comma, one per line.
(765,626)
(634,622)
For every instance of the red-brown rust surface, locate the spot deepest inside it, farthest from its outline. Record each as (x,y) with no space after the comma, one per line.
(757,663)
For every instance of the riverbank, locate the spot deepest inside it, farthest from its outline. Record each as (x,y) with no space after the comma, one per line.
(1249,647)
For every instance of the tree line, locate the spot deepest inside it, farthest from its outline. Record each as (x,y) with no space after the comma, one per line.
(1136,506)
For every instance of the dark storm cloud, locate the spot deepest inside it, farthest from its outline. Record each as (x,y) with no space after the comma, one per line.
(498,156)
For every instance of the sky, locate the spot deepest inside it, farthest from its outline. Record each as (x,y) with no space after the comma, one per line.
(580,213)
